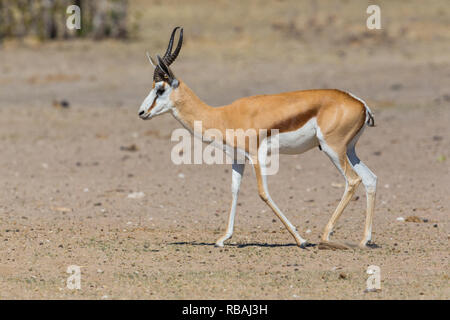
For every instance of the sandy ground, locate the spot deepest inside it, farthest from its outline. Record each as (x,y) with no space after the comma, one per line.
(65,178)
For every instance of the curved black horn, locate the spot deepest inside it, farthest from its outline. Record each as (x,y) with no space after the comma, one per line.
(162,64)
(172,56)
(169,57)
(169,47)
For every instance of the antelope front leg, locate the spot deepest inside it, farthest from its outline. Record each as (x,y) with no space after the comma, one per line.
(236,177)
(264,194)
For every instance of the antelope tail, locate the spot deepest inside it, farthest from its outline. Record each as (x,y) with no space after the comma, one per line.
(369,117)
(370,121)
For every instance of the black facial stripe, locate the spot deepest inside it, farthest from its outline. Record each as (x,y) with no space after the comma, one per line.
(152,105)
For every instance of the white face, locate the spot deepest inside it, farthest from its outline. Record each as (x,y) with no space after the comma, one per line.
(157,102)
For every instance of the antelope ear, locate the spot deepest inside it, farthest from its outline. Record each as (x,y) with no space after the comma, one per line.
(151,60)
(175,83)
(172,80)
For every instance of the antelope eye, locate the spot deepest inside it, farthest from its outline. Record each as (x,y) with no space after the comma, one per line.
(160,91)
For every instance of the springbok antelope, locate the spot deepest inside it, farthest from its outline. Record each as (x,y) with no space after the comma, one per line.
(332,120)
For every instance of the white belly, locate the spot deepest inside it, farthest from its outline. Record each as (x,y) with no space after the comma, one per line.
(300,140)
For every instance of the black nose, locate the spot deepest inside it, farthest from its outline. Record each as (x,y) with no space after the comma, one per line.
(141,113)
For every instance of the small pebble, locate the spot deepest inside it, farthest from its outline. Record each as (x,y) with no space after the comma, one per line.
(136,195)
(342,276)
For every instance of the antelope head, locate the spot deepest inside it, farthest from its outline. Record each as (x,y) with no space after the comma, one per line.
(159,99)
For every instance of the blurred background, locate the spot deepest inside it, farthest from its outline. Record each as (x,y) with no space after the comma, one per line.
(255,46)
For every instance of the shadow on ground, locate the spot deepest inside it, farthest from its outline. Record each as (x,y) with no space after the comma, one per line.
(243,245)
